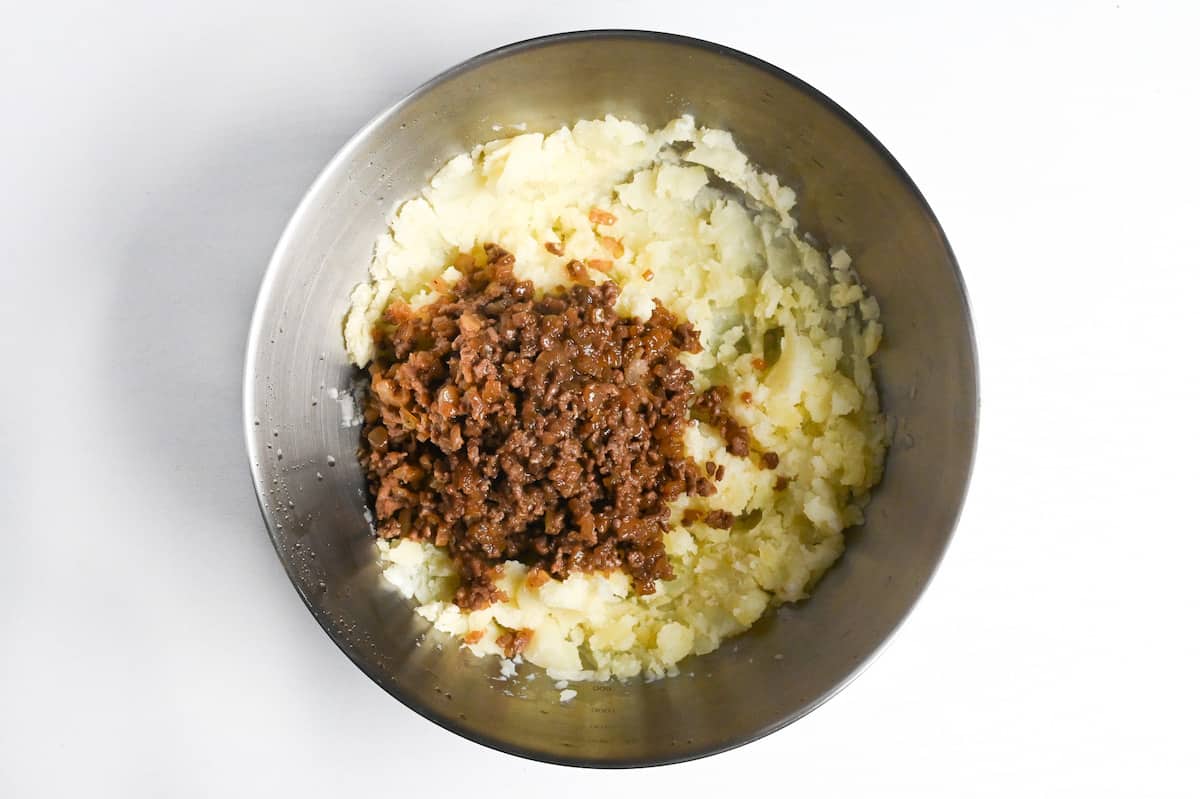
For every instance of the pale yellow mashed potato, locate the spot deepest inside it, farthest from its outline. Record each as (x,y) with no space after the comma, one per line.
(730,262)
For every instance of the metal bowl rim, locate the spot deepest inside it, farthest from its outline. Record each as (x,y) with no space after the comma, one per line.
(274,267)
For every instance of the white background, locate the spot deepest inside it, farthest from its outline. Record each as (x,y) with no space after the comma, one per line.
(150,643)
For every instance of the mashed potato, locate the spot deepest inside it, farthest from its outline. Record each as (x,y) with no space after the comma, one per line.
(789,330)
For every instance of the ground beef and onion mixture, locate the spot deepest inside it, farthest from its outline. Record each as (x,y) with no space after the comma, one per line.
(546,430)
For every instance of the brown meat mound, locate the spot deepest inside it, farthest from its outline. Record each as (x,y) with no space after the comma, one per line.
(548,431)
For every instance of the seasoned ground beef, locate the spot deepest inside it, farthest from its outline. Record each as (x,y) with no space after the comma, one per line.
(719,519)
(544,430)
(710,407)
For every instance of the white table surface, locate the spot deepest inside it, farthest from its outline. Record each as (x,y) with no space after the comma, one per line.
(150,643)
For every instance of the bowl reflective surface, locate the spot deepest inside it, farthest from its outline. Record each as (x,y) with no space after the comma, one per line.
(851,193)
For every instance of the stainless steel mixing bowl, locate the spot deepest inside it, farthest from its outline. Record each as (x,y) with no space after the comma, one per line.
(852,193)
